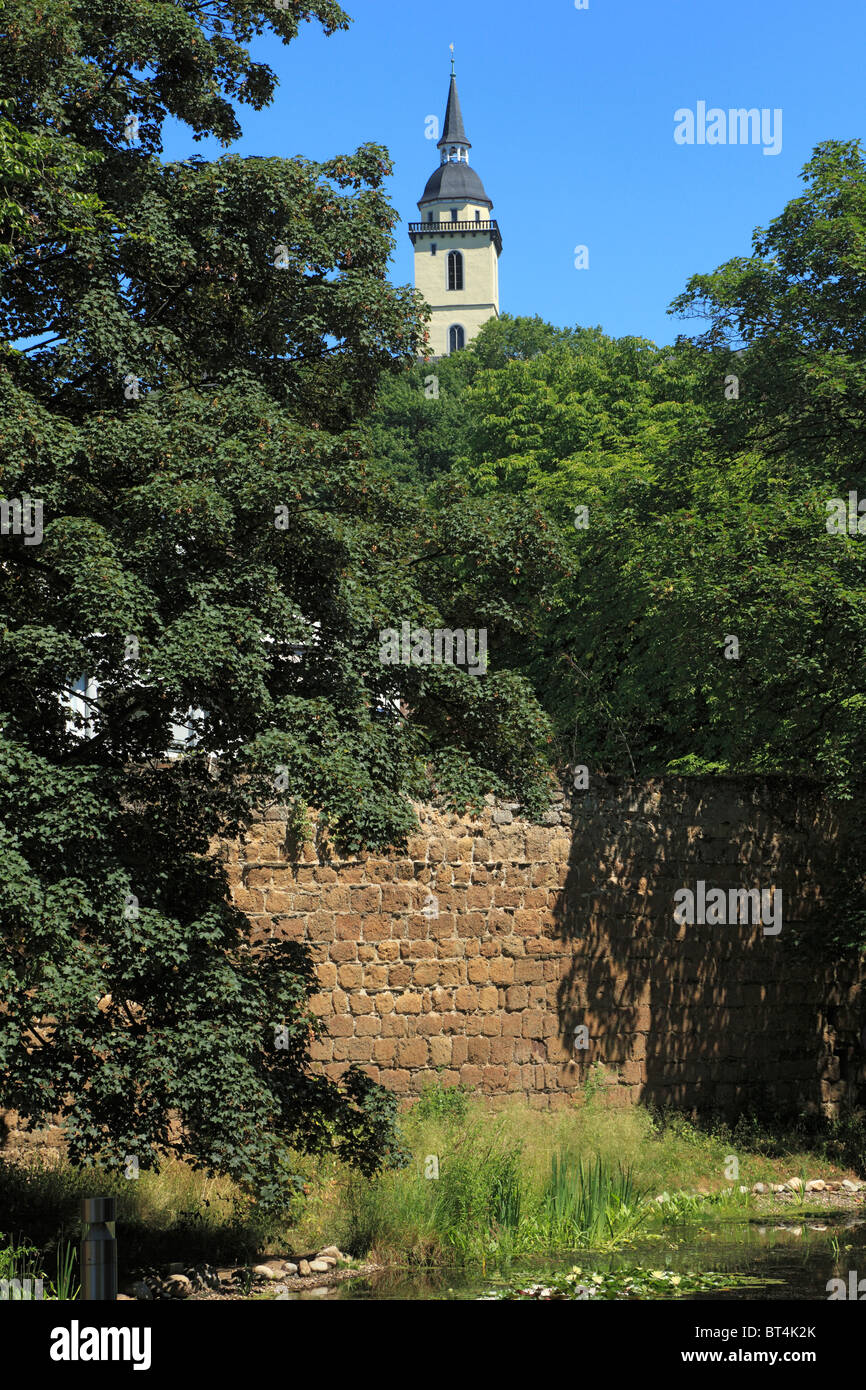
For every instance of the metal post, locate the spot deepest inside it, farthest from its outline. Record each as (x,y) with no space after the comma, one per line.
(98,1250)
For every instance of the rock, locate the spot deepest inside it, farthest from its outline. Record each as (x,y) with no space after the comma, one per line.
(502,818)
(278,1289)
(330,1252)
(326,1260)
(204,1276)
(778,1187)
(850,1186)
(177,1286)
(304,1268)
(125,1298)
(816,1185)
(289,1268)
(793,1184)
(140,1290)
(744,1189)
(320,1266)
(265,1272)
(760,1187)
(833,1186)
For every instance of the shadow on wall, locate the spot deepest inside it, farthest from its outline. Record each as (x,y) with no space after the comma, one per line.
(724,1016)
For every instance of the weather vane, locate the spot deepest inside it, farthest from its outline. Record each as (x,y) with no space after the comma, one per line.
(451,46)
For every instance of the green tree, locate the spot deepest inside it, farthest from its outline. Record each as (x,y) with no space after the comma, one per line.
(687,489)
(790,322)
(185,372)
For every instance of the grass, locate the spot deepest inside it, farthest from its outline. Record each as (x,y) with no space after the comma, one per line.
(483,1183)
(175,1214)
(22,1265)
(591,1204)
(516,1180)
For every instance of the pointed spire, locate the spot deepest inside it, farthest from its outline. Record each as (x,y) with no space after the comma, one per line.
(454,132)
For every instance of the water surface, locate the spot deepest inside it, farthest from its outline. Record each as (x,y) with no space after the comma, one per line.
(797,1256)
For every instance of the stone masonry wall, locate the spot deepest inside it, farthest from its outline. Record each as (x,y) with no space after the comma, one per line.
(479,950)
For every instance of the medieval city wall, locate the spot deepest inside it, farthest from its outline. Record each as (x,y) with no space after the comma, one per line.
(478,951)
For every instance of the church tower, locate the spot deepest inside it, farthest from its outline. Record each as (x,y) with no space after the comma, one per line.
(457,245)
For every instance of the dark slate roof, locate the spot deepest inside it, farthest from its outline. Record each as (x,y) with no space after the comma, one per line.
(458,183)
(454,133)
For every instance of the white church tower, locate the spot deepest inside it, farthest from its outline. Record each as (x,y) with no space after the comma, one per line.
(457,245)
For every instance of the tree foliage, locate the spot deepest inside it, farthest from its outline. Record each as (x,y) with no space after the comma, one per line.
(705,470)
(189,351)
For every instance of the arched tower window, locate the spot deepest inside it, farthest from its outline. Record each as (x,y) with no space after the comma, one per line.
(455,270)
(456,338)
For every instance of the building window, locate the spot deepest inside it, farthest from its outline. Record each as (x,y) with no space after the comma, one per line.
(453,214)
(455,270)
(432,248)
(477,215)
(456,338)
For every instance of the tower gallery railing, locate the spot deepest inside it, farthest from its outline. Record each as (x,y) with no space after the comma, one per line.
(437,229)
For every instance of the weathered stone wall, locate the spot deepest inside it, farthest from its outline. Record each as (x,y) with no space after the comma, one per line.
(481,949)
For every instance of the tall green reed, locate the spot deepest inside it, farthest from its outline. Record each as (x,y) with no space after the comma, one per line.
(591,1203)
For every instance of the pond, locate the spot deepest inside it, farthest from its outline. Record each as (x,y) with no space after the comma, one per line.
(796,1258)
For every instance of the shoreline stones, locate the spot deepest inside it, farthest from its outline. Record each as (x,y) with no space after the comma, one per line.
(178,1281)
(846,1188)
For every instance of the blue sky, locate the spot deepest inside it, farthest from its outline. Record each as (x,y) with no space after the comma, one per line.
(571,117)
